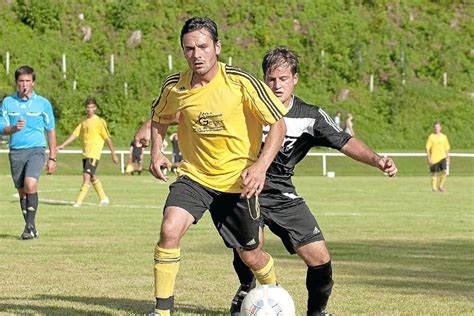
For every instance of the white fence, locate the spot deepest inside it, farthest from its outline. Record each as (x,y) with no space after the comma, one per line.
(124,155)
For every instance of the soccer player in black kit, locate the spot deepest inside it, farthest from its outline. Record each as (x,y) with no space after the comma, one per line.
(284,212)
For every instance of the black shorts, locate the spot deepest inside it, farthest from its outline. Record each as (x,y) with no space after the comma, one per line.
(236,219)
(289,218)
(89,165)
(176,157)
(136,157)
(439,166)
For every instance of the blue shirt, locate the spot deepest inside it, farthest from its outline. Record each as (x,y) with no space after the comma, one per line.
(38,115)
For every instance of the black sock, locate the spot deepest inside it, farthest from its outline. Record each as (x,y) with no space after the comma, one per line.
(244,273)
(319,284)
(23,207)
(31,207)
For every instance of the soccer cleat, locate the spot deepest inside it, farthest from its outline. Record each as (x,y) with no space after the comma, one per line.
(104,202)
(441,189)
(239,297)
(76,205)
(29,232)
(154,314)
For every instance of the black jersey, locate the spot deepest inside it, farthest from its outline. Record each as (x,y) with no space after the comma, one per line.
(307,126)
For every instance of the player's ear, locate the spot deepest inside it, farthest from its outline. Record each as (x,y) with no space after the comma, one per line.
(218,47)
(295,79)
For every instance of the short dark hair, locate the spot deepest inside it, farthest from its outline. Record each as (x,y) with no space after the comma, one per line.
(25,70)
(280,56)
(90,100)
(197,23)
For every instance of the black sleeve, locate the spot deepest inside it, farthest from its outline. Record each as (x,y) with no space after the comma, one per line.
(326,133)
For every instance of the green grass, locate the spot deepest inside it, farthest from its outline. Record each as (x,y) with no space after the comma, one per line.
(71,164)
(397,248)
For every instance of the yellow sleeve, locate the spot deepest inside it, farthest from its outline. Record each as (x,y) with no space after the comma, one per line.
(165,107)
(429,143)
(104,132)
(446,144)
(77,130)
(258,96)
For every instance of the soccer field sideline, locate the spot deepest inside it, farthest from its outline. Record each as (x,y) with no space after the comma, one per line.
(394,242)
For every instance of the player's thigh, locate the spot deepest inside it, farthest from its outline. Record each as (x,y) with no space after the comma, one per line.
(291,220)
(190,196)
(176,221)
(18,159)
(314,253)
(237,220)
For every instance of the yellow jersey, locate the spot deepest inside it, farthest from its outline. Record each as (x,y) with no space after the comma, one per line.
(438,146)
(92,132)
(220,124)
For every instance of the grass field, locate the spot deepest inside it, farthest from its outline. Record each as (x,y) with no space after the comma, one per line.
(397,248)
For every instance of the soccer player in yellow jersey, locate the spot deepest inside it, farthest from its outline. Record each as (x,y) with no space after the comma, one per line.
(93,132)
(222,111)
(437,154)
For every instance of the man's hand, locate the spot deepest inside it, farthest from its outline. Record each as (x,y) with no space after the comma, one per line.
(387,165)
(50,166)
(156,164)
(253,180)
(143,134)
(20,124)
(114,158)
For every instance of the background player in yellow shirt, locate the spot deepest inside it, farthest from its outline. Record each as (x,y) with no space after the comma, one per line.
(92,132)
(222,111)
(437,154)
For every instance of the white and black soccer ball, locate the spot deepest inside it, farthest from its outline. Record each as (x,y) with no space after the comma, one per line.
(268,300)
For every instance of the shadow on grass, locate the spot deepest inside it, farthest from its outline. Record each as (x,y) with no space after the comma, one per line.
(119,306)
(8,236)
(415,266)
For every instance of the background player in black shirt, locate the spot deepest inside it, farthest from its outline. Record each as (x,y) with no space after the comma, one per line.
(283,211)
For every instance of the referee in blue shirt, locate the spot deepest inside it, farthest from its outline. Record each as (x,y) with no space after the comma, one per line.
(25,116)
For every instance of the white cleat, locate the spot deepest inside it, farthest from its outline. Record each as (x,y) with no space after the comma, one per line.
(104,202)
(76,205)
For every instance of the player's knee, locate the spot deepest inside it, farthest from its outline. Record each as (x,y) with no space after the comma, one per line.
(170,235)
(30,185)
(255,258)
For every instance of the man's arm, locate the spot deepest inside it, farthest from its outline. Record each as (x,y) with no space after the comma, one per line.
(111,147)
(358,150)
(51,164)
(158,159)
(428,157)
(20,124)
(253,178)
(68,140)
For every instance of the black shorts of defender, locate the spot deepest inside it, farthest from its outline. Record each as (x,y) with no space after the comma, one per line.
(290,219)
(236,219)
(89,165)
(439,166)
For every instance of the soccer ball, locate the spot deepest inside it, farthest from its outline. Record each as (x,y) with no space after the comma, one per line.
(268,300)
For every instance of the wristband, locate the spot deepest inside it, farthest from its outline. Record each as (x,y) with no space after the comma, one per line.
(53,159)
